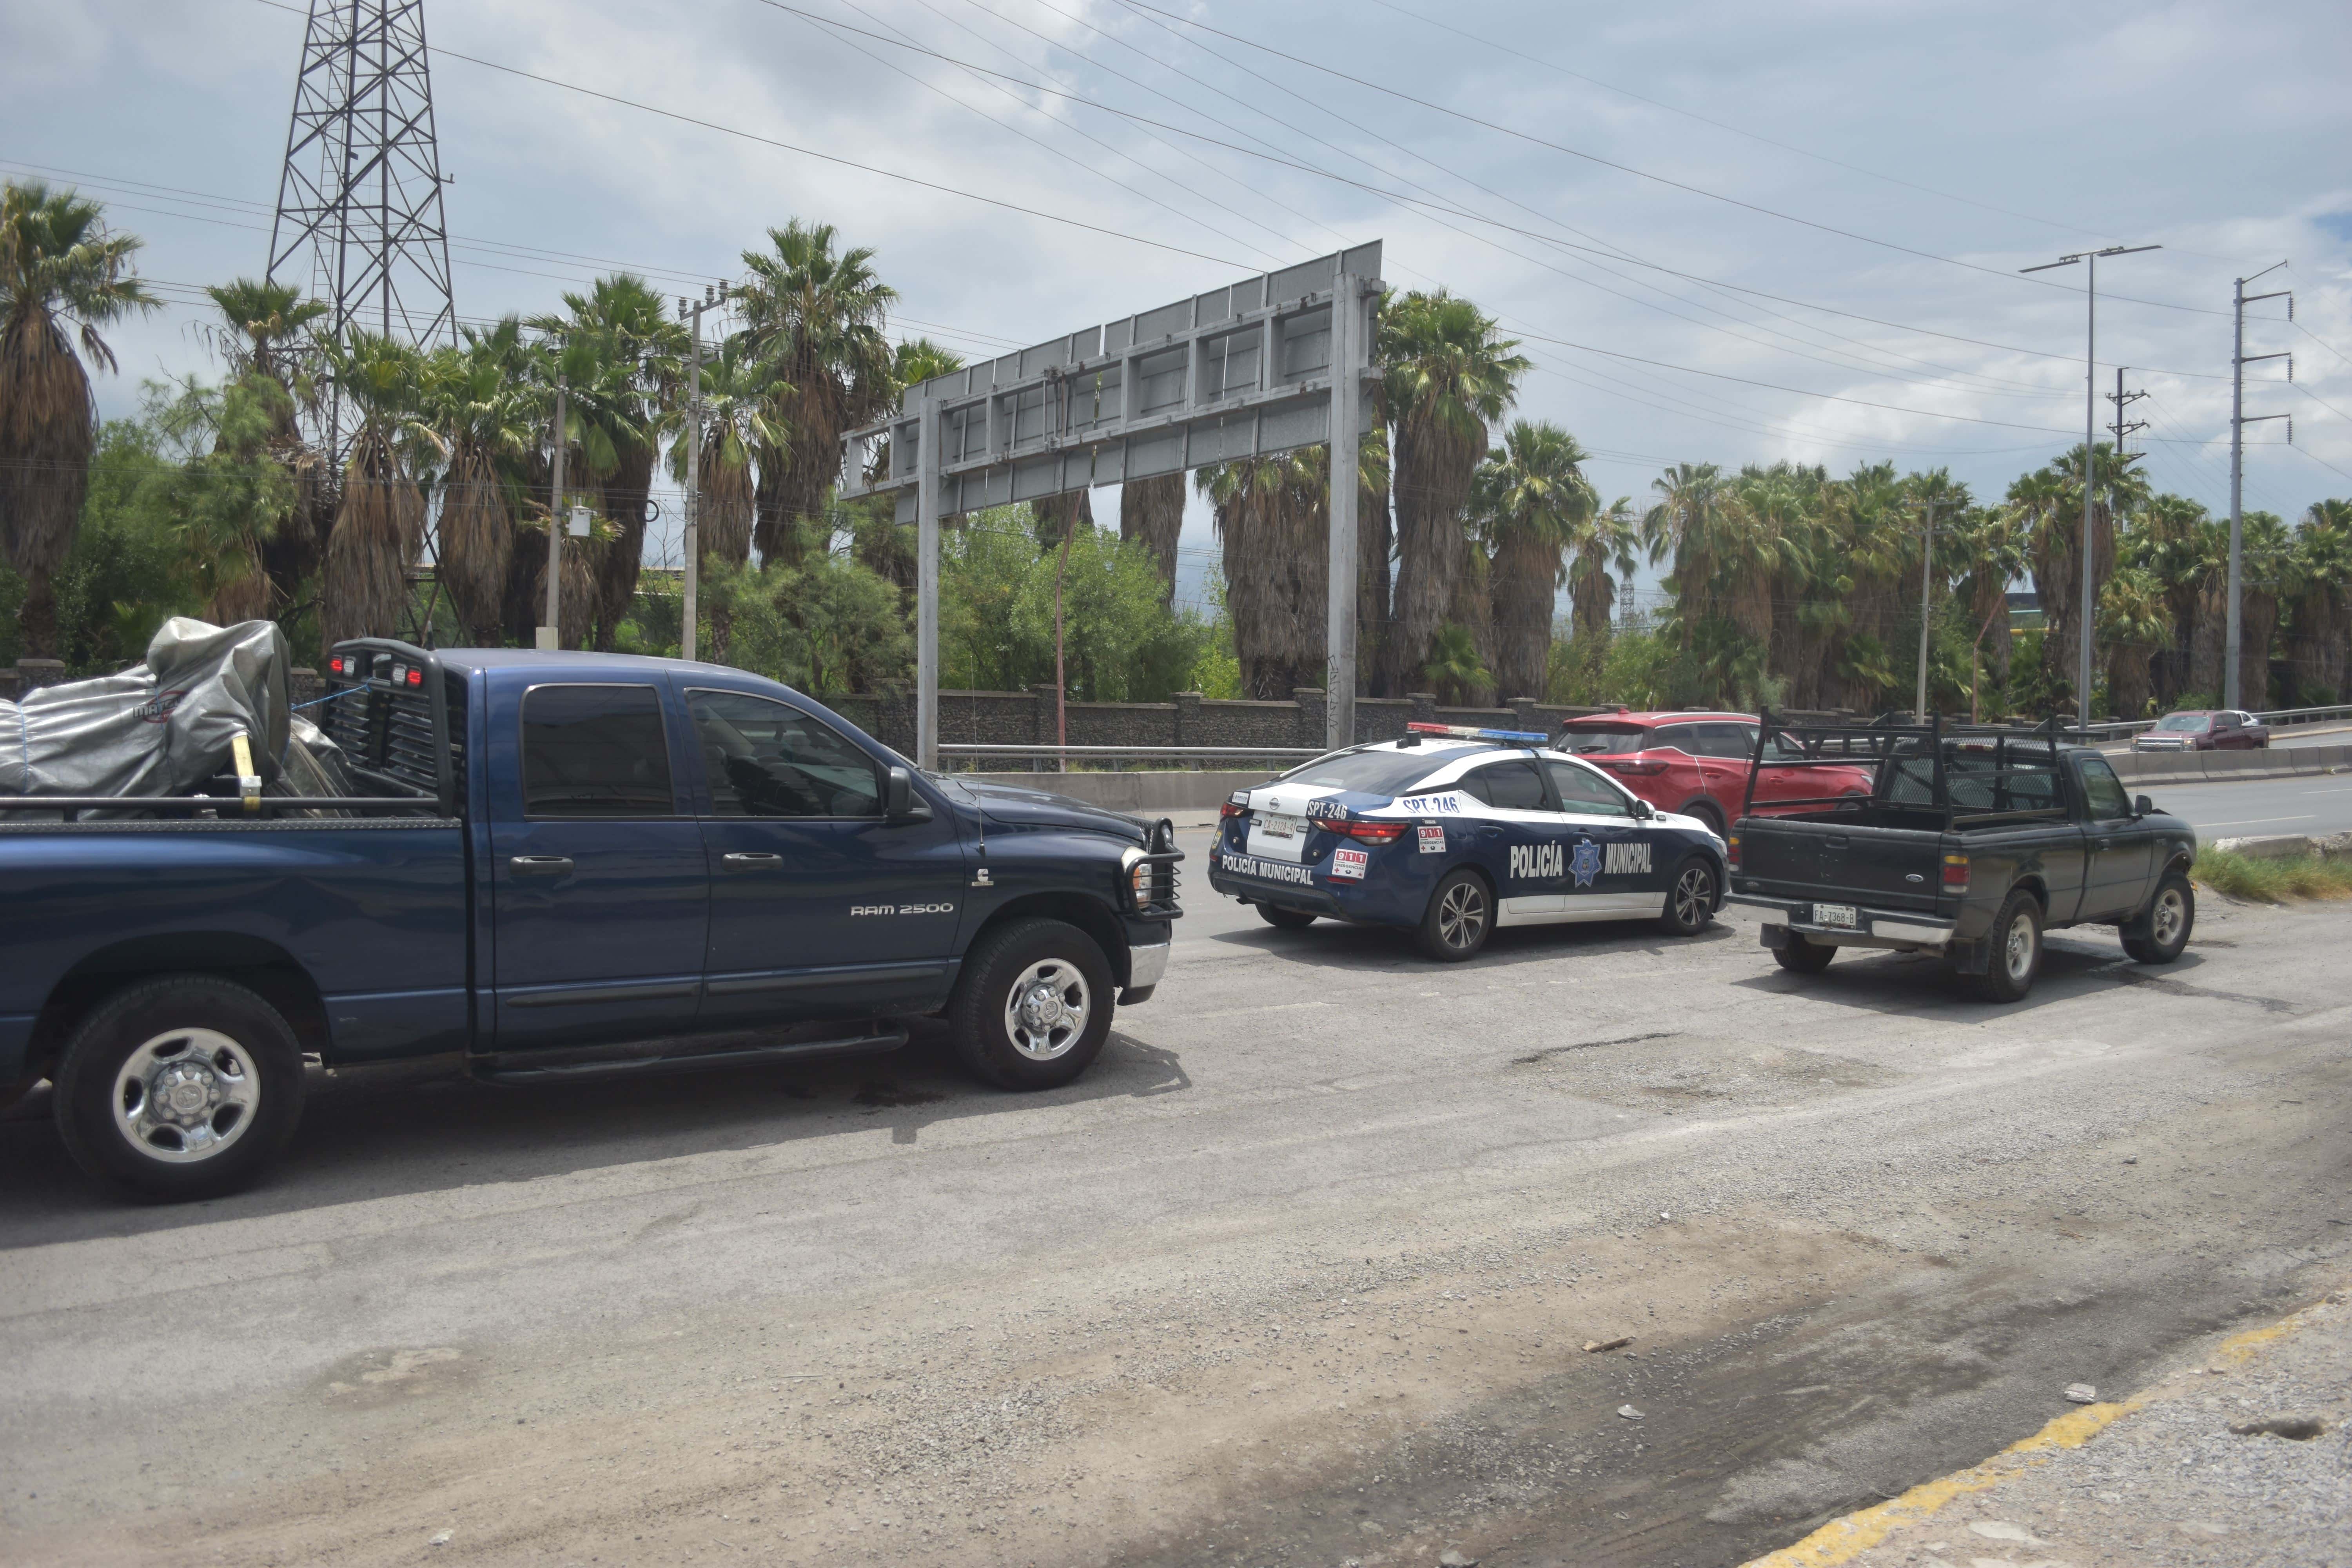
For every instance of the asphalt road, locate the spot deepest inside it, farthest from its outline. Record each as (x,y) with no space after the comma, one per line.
(1302,1270)
(2254,808)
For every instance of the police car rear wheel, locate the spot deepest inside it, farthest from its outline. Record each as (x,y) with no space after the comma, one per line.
(1286,920)
(1460,917)
(1033,1007)
(1690,898)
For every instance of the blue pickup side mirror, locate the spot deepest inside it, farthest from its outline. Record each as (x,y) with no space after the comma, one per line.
(899,800)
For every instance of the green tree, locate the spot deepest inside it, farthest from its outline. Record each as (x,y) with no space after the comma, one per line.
(1448,374)
(380,524)
(640,352)
(1533,504)
(816,316)
(60,267)
(2322,622)
(485,413)
(738,420)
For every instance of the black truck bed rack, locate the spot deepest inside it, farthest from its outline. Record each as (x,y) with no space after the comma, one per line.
(1886,746)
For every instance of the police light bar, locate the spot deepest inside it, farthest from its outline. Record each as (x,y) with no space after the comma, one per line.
(1470,732)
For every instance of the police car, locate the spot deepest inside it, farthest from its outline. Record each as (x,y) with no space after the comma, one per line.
(1454,831)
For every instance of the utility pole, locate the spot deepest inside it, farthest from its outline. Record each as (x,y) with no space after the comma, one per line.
(2090,449)
(693,313)
(1927,582)
(2123,427)
(551,630)
(1348,331)
(2232,684)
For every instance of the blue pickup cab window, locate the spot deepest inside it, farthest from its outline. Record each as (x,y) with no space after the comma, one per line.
(770,758)
(594,751)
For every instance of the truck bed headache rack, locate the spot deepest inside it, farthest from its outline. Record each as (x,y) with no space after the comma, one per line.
(1974,775)
(388,708)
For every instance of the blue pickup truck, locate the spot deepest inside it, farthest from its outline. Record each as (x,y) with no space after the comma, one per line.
(550,865)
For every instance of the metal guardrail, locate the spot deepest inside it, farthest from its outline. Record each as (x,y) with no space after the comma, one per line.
(2276,718)
(1051,758)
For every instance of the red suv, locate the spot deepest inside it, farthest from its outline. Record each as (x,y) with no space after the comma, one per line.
(1697,763)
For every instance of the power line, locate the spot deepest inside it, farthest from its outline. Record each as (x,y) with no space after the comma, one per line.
(1753,135)
(810,151)
(1626,168)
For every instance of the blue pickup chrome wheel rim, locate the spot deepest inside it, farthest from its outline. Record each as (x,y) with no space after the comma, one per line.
(1046,1012)
(2172,915)
(186,1095)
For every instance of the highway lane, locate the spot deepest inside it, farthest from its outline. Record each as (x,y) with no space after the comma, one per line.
(2319,803)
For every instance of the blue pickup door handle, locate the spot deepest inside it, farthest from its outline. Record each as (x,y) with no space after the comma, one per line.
(746,861)
(540,864)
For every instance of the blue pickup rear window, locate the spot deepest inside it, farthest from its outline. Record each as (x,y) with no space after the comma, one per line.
(594,751)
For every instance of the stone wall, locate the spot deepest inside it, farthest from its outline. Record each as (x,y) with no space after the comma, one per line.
(1022,719)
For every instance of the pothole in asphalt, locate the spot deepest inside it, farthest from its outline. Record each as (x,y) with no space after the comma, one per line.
(1676,1068)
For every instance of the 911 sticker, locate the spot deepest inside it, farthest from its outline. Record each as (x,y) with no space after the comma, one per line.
(1349,863)
(1536,861)
(1433,838)
(1267,871)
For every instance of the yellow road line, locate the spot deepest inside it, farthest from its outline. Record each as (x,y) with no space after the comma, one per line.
(1842,1539)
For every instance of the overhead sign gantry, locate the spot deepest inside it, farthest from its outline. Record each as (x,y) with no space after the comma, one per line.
(1268,364)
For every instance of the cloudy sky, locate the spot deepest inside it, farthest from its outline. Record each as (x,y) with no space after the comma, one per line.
(1723,233)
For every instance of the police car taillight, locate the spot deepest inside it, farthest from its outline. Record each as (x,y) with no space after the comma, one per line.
(1471,732)
(1233,809)
(1371,832)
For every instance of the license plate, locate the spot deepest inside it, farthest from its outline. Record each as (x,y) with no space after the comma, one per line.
(1839,916)
(1282,826)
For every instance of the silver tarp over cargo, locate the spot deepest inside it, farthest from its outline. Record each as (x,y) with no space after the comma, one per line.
(160,729)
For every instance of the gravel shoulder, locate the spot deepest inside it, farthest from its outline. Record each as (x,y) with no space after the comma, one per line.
(2238,1458)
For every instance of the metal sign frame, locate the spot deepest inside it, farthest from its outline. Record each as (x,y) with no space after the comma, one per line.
(1268,364)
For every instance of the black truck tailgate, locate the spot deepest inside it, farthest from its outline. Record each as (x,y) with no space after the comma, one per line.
(1841,862)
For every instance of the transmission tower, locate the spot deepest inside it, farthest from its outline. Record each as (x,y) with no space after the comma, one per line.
(360,198)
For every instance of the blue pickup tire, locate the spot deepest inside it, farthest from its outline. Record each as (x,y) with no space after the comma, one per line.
(1034,1004)
(180,1087)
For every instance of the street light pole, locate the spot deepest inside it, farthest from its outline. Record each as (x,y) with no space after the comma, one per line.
(551,630)
(1927,582)
(693,313)
(2090,449)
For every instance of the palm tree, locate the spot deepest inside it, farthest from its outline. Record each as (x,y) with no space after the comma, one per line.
(738,400)
(1601,557)
(263,334)
(1448,374)
(1152,511)
(1722,572)
(2266,577)
(2323,607)
(643,354)
(485,410)
(1269,514)
(1531,499)
(2185,549)
(1454,671)
(2133,626)
(380,526)
(817,318)
(1989,538)
(59,268)
(2052,501)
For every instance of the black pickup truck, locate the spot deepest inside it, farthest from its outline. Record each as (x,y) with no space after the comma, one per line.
(1971,844)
